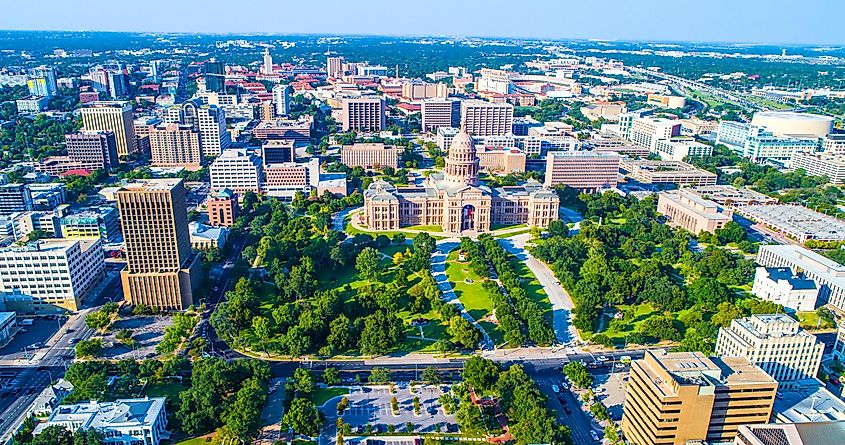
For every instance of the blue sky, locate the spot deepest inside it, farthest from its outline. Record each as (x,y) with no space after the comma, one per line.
(764,21)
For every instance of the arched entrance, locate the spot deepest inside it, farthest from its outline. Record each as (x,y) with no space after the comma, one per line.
(468,217)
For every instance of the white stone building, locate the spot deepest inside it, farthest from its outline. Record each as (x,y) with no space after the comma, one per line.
(122,422)
(780,285)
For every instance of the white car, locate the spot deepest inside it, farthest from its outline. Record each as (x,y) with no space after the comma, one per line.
(564,385)
(556,389)
(594,435)
(603,358)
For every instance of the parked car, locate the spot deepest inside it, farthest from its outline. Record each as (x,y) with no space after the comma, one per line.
(556,389)
(602,358)
(567,410)
(594,435)
(834,380)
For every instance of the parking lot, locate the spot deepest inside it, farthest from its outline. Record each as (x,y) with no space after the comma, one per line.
(39,332)
(610,391)
(147,331)
(371,406)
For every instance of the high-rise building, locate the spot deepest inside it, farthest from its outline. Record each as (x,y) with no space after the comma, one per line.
(44,84)
(161,271)
(334,67)
(437,113)
(776,343)
(209,121)
(683,397)
(646,131)
(268,62)
(281,99)
(175,145)
(215,76)
(582,170)
(237,169)
(277,151)
(102,222)
(15,198)
(92,150)
(57,274)
(365,114)
(480,118)
(116,117)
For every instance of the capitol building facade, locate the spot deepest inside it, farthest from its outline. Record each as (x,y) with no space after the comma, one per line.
(456,201)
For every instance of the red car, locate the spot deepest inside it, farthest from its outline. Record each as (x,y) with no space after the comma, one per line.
(834,380)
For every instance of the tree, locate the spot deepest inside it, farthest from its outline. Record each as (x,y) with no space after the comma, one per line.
(481,373)
(54,435)
(463,332)
(89,348)
(302,382)
(379,375)
(732,232)
(725,313)
(331,376)
(382,331)
(367,263)
(709,292)
(303,417)
(430,375)
(261,329)
(577,373)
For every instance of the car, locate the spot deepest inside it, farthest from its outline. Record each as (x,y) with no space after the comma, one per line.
(564,385)
(69,330)
(833,380)
(594,435)
(556,389)
(562,400)
(625,359)
(567,410)
(619,365)
(602,358)
(75,340)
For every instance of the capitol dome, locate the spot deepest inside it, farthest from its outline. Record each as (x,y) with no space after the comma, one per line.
(462,161)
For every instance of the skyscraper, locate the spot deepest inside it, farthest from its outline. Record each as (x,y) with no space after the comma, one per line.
(268,61)
(480,118)
(438,113)
(114,116)
(334,66)
(281,98)
(210,122)
(215,76)
(92,149)
(42,81)
(175,145)
(161,271)
(363,114)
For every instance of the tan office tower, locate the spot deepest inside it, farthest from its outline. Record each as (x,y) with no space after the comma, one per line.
(438,113)
(114,116)
(174,145)
(334,67)
(480,118)
(685,397)
(363,114)
(161,271)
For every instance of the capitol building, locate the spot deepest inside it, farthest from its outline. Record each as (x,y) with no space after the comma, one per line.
(456,201)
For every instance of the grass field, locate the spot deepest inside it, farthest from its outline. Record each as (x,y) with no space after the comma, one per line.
(322,395)
(169,390)
(617,329)
(472,295)
(201,440)
(353,231)
(533,287)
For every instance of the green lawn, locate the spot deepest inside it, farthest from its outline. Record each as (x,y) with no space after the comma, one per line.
(201,440)
(510,234)
(507,226)
(170,390)
(322,395)
(389,233)
(810,320)
(533,287)
(436,229)
(472,295)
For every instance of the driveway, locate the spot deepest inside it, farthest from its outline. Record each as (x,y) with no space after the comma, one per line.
(561,301)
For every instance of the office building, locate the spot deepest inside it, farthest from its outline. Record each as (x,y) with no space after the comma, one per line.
(730,196)
(237,169)
(437,113)
(761,144)
(626,121)
(281,99)
(45,222)
(582,170)
(480,118)
(445,135)
(284,180)
(175,145)
(207,238)
(122,422)
(691,212)
(295,130)
(834,144)
(796,222)
(828,275)
(775,343)
(679,148)
(363,114)
(210,122)
(38,88)
(222,208)
(698,127)
(821,164)
(683,397)
(15,198)
(56,274)
(646,131)
(277,151)
(32,104)
(92,150)
(782,286)
(100,222)
(455,201)
(8,326)
(666,172)
(501,160)
(215,76)
(334,67)
(804,433)
(418,90)
(143,127)
(373,155)
(161,271)
(115,117)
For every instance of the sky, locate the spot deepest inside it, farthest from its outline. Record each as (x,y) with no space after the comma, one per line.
(754,21)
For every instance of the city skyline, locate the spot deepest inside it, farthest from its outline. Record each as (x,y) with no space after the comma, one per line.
(649,20)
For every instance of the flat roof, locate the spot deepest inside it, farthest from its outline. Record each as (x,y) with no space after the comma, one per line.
(811,402)
(798,219)
(722,193)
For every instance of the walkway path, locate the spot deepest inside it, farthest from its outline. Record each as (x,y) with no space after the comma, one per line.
(438,271)
(561,301)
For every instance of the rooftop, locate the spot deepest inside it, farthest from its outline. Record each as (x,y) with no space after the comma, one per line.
(125,412)
(798,220)
(804,433)
(809,403)
(798,282)
(151,185)
(725,194)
